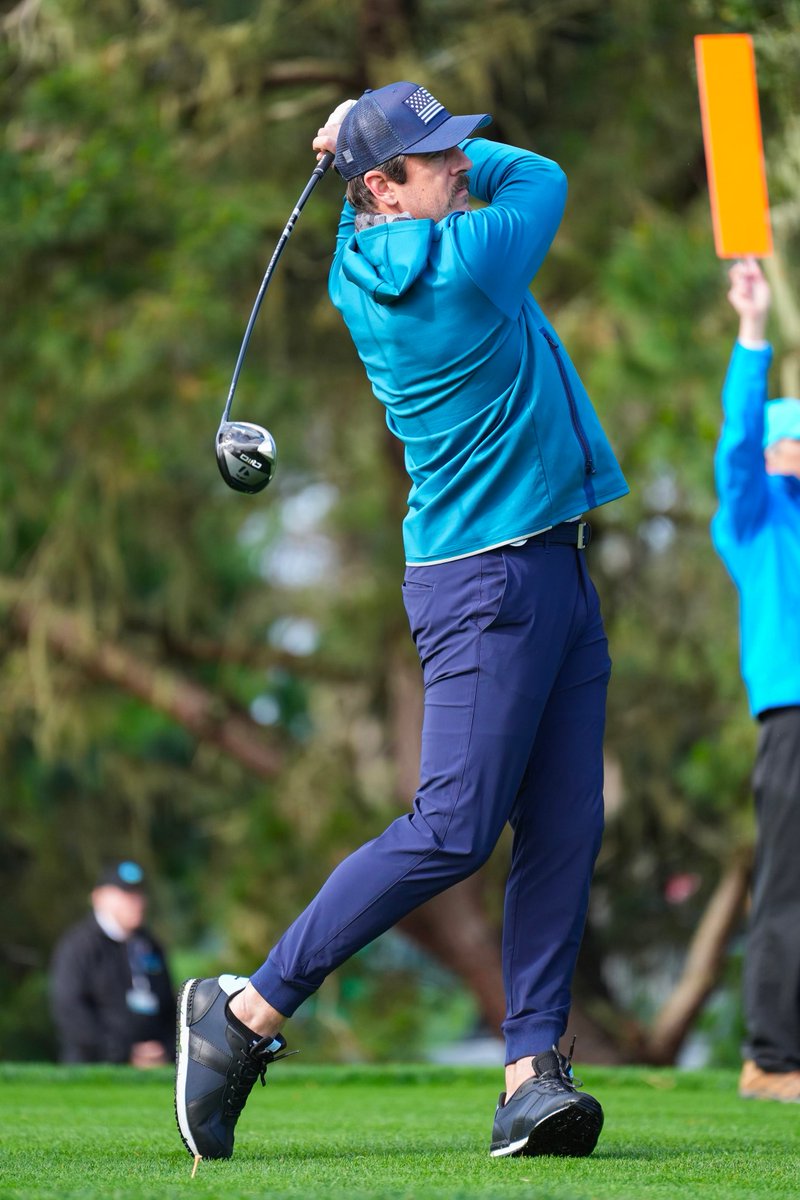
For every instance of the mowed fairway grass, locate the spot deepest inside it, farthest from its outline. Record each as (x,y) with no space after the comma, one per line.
(388,1132)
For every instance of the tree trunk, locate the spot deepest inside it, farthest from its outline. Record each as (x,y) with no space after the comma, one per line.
(384,27)
(703,966)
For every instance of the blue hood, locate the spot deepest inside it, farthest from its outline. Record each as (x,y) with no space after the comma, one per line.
(387,260)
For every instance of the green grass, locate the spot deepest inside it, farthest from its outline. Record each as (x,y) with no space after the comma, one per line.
(401,1132)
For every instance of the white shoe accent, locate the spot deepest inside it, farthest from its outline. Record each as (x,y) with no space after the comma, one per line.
(180,1083)
(510,1149)
(231,984)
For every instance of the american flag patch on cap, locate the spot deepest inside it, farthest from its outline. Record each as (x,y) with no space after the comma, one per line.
(423,104)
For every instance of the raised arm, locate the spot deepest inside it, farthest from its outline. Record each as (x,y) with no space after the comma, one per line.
(504,244)
(740,472)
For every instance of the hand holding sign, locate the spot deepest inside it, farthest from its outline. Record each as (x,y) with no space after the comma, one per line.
(749,296)
(726,77)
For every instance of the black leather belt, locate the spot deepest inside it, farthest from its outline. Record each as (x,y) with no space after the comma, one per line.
(568,533)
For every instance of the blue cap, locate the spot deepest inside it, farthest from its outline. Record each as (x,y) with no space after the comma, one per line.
(126,875)
(401,118)
(781,420)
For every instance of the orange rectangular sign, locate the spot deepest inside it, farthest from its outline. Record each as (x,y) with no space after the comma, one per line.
(726,77)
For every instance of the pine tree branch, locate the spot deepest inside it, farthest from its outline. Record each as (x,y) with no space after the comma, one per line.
(245,654)
(203,713)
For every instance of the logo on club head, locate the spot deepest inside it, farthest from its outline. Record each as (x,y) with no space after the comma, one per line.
(245,456)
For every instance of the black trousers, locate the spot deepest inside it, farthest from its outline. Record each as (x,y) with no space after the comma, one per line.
(772,960)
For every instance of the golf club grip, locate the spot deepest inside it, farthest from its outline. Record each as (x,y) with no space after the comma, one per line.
(319,170)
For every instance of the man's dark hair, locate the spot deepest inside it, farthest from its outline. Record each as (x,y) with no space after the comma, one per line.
(359,194)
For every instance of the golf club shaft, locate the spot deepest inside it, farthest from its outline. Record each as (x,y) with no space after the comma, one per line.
(320,169)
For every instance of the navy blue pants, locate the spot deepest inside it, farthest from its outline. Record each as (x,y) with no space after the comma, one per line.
(515,665)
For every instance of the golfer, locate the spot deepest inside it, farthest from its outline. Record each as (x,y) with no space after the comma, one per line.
(505,455)
(756,532)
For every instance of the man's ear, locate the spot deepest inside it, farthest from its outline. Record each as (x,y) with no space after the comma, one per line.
(381,187)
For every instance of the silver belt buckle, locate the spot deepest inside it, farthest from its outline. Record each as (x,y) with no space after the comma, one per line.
(581,543)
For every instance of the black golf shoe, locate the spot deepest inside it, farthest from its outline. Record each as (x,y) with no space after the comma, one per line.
(218,1060)
(546,1114)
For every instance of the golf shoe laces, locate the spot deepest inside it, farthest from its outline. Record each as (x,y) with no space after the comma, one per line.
(251,1064)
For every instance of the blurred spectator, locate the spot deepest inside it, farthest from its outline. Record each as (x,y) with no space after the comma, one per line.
(111,995)
(756,532)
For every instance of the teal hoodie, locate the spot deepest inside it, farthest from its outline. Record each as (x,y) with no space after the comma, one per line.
(501,440)
(756,532)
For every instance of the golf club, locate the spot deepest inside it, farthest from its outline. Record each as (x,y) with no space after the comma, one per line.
(246,452)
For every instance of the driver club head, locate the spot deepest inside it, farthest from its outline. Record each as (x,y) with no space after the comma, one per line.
(246,455)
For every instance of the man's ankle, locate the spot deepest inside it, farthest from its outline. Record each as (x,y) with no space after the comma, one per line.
(249,1007)
(516,1074)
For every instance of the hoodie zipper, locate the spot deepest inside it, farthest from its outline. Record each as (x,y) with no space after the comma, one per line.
(580,433)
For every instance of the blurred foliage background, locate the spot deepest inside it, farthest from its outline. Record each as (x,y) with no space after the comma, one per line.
(223,686)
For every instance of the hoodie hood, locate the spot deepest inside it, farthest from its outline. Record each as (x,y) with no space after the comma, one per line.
(386,260)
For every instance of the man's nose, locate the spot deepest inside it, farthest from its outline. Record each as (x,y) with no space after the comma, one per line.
(460,160)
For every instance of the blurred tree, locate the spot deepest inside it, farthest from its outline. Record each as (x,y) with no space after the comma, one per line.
(225,687)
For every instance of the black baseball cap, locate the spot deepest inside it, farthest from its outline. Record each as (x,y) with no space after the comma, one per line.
(401,118)
(126,875)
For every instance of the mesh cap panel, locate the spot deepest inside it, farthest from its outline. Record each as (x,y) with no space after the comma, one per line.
(366,137)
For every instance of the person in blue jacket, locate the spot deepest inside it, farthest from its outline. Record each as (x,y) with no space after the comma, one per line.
(505,454)
(756,532)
